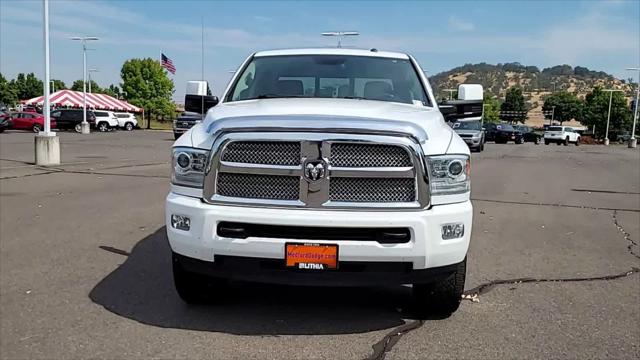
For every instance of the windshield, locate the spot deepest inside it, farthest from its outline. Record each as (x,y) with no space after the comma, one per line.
(329,76)
(468,125)
(554,128)
(505,127)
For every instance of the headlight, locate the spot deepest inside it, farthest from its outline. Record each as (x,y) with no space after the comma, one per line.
(449,174)
(188,166)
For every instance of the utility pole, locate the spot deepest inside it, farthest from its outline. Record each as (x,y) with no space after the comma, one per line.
(553,113)
(606,132)
(633,142)
(84,39)
(90,71)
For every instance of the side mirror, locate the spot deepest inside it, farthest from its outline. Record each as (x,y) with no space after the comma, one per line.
(468,105)
(198,98)
(199,103)
(447,109)
(484,129)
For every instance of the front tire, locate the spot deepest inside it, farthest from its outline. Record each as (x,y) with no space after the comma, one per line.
(578,142)
(546,142)
(128,126)
(36,128)
(103,127)
(566,141)
(196,288)
(442,298)
(78,128)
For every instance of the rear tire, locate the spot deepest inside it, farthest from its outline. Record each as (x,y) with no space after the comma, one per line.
(103,126)
(578,142)
(78,128)
(128,126)
(36,128)
(441,298)
(196,288)
(546,142)
(566,141)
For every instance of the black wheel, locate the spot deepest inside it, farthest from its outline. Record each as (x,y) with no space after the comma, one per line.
(537,141)
(566,141)
(578,142)
(481,145)
(103,126)
(176,136)
(196,288)
(558,143)
(546,142)
(78,128)
(521,141)
(442,298)
(36,128)
(128,126)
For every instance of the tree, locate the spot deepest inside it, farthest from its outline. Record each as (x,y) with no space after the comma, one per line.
(95,88)
(58,85)
(563,106)
(147,86)
(596,108)
(491,108)
(112,90)
(514,108)
(8,94)
(28,86)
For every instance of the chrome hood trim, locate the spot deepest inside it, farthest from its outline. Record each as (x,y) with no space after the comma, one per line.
(317,123)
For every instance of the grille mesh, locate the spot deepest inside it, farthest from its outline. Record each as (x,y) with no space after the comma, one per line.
(375,190)
(368,155)
(259,186)
(263,152)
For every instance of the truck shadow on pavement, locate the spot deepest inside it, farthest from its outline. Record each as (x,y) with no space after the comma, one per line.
(142,289)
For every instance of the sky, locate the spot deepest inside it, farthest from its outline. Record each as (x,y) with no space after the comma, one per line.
(601,35)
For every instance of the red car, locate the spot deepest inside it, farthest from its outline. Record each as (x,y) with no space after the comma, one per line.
(30,121)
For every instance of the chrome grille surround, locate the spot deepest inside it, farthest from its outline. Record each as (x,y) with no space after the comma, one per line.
(373,187)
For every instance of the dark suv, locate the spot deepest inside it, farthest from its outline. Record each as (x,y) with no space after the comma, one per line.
(184,122)
(67,119)
(503,133)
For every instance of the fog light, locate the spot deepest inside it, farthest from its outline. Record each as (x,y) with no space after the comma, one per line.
(452,231)
(180,222)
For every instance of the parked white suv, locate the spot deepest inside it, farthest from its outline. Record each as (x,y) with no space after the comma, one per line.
(127,121)
(322,167)
(561,135)
(105,120)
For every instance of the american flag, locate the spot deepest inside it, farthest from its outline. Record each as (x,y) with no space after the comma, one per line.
(168,64)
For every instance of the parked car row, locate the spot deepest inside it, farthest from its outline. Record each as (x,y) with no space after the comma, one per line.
(475,134)
(68,119)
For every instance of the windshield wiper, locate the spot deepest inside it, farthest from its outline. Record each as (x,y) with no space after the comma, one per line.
(275,96)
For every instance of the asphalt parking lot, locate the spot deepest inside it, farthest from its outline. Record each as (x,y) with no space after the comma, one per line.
(85,265)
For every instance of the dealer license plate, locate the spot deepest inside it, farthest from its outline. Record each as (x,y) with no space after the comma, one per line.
(311,256)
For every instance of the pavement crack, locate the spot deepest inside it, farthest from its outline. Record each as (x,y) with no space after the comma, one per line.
(606,191)
(382,347)
(626,235)
(488,286)
(554,205)
(114,250)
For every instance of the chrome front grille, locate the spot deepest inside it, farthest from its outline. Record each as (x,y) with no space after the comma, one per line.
(368,155)
(263,152)
(372,190)
(273,170)
(259,186)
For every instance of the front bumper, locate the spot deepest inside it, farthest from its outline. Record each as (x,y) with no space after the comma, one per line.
(473,142)
(425,250)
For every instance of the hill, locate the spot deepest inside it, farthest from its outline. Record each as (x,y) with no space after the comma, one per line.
(536,83)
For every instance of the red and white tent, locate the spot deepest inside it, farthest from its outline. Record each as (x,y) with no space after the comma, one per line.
(94,101)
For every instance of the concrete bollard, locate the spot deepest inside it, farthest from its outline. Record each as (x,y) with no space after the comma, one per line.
(606,141)
(85,128)
(633,143)
(47,149)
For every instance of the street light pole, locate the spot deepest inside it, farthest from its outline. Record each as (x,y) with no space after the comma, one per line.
(53,86)
(553,113)
(47,144)
(340,35)
(84,39)
(606,132)
(633,142)
(90,71)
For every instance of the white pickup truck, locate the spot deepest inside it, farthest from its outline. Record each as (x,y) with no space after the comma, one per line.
(321,167)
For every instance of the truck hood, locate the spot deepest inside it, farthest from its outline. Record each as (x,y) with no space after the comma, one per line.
(425,125)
